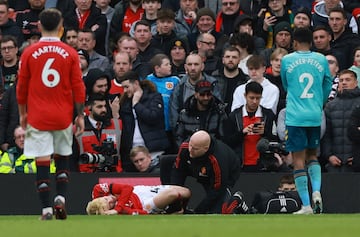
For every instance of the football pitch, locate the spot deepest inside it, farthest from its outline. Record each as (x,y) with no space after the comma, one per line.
(325,225)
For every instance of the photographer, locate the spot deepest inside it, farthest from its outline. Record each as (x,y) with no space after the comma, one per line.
(98,147)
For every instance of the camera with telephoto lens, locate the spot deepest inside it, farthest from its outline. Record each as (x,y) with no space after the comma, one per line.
(264,146)
(105,158)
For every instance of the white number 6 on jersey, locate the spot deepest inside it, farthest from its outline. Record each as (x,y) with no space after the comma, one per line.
(310,81)
(47,72)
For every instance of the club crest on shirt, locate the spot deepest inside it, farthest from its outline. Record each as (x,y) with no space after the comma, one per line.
(169,85)
(203,172)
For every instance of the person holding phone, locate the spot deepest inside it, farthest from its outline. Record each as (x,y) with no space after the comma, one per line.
(246,125)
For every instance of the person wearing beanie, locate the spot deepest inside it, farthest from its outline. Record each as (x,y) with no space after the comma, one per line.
(245,24)
(178,52)
(165,32)
(277,13)
(282,39)
(302,18)
(84,61)
(205,23)
(321,14)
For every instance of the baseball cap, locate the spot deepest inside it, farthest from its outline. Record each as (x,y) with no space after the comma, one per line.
(84,53)
(203,86)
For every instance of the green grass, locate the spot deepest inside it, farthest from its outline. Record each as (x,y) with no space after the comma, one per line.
(325,225)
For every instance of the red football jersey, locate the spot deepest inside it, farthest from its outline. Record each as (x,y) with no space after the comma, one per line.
(50,81)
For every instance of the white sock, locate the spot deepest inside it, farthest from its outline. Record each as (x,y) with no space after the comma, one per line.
(47,210)
(59,197)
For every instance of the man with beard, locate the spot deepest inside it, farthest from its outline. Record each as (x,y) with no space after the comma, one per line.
(194,67)
(122,63)
(206,46)
(202,111)
(98,82)
(230,76)
(98,128)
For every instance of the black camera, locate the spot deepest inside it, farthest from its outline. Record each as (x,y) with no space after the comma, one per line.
(105,158)
(265,146)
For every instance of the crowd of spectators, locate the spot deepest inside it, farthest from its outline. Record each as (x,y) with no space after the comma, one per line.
(157,71)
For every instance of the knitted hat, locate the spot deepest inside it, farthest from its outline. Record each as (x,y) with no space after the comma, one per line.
(282,26)
(84,53)
(179,42)
(205,12)
(305,11)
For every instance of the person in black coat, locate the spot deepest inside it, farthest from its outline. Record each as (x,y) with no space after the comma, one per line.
(9,118)
(96,21)
(213,164)
(142,114)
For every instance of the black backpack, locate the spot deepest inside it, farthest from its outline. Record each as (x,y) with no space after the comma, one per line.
(279,202)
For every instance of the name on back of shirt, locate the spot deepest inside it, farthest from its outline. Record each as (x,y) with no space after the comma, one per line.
(50,49)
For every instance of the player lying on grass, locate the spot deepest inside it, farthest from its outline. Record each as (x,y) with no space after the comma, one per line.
(114,198)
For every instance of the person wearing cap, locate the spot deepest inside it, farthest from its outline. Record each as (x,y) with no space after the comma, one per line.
(124,199)
(215,166)
(247,124)
(186,18)
(98,128)
(202,111)
(245,24)
(302,18)
(205,23)
(194,72)
(282,39)
(178,51)
(322,10)
(230,10)
(165,30)
(278,12)
(142,113)
(84,61)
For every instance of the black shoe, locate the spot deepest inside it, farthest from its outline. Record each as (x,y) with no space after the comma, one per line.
(59,210)
(242,207)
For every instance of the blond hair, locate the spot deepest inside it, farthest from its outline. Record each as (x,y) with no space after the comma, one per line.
(98,206)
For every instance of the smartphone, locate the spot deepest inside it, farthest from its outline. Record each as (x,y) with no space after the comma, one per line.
(256,125)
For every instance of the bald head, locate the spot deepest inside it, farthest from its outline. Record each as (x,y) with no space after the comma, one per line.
(199,144)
